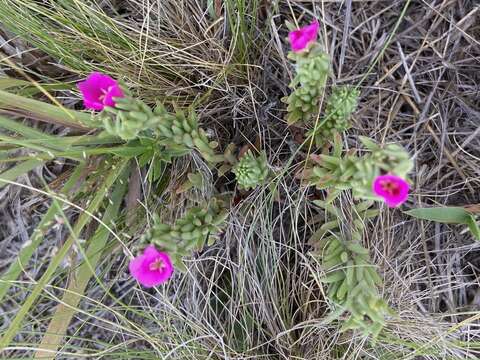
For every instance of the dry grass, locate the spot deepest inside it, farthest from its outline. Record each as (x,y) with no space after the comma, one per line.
(256,294)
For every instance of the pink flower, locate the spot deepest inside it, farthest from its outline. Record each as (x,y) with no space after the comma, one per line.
(151,268)
(392,188)
(301,38)
(99,90)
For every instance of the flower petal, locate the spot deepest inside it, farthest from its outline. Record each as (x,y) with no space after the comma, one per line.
(113,92)
(88,90)
(99,80)
(301,38)
(92,104)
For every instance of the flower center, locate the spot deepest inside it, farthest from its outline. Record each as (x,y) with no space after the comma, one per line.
(157,264)
(390,187)
(104,93)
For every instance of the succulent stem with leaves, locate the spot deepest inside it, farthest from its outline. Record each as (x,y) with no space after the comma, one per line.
(337,172)
(351,278)
(129,118)
(183,130)
(198,226)
(312,70)
(132,118)
(340,106)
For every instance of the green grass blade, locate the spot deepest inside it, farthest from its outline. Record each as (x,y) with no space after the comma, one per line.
(242,20)
(39,22)
(59,143)
(26,88)
(18,170)
(75,154)
(7,83)
(27,251)
(448,215)
(31,133)
(82,221)
(48,112)
(78,282)
(27,144)
(473,227)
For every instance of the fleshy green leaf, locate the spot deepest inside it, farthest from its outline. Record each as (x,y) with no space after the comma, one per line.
(447,215)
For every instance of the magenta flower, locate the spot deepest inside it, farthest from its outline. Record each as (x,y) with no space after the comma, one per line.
(99,90)
(392,188)
(151,268)
(301,38)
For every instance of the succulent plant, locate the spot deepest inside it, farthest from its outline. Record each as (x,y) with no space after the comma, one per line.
(341,103)
(131,118)
(128,118)
(183,130)
(251,171)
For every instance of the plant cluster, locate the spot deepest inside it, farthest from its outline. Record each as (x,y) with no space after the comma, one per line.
(130,156)
(341,104)
(379,173)
(155,136)
(168,135)
(251,171)
(312,70)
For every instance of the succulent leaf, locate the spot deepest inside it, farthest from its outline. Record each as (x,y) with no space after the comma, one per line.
(132,118)
(358,172)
